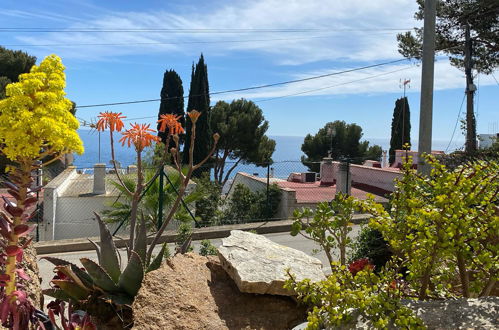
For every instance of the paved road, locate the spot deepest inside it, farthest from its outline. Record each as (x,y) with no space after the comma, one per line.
(298,242)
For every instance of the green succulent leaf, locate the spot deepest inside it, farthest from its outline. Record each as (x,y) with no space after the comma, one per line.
(158,260)
(132,276)
(118,298)
(141,240)
(100,277)
(83,276)
(108,252)
(57,294)
(72,289)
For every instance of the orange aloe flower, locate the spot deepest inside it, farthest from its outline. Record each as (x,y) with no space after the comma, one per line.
(111,120)
(170,121)
(140,136)
(194,115)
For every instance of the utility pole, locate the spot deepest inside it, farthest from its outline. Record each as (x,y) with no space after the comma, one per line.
(427,73)
(471,144)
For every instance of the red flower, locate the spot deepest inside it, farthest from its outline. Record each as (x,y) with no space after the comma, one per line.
(170,121)
(111,120)
(140,136)
(359,265)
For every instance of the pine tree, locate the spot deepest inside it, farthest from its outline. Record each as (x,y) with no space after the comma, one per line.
(401,127)
(199,99)
(172,99)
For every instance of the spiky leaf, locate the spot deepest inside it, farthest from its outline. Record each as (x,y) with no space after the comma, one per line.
(157,260)
(66,270)
(84,277)
(141,240)
(100,277)
(57,294)
(108,252)
(132,276)
(118,298)
(96,247)
(72,289)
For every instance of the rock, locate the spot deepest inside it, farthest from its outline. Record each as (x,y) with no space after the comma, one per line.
(258,265)
(479,313)
(194,292)
(475,313)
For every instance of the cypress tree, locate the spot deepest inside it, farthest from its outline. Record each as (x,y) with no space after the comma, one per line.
(172,100)
(199,99)
(401,127)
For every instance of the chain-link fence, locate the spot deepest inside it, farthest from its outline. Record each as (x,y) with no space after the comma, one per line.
(230,194)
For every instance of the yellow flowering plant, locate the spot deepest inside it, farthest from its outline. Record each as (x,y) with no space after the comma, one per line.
(35,124)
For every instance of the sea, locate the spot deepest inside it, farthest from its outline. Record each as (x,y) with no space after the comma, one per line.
(286,156)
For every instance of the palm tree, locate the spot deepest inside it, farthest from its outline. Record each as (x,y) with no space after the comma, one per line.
(149,204)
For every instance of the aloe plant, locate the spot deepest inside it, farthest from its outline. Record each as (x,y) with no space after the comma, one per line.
(105,287)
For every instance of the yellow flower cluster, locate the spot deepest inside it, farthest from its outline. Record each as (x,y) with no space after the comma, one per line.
(36,115)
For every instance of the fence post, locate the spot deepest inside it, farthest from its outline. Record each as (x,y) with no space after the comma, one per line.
(160,199)
(268,192)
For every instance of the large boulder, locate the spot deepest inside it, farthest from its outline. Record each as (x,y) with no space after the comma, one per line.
(258,265)
(194,292)
(475,313)
(478,313)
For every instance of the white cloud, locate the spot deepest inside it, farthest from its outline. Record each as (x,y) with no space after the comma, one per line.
(354,33)
(383,79)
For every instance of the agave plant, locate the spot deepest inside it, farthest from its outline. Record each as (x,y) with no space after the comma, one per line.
(105,289)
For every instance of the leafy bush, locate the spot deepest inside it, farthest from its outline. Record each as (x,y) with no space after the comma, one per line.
(445,228)
(370,244)
(345,297)
(328,225)
(207,249)
(245,205)
(208,208)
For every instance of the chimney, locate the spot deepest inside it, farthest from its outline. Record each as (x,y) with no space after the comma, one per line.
(131,169)
(327,172)
(99,179)
(344,179)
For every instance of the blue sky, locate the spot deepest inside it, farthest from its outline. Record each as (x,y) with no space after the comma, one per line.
(340,35)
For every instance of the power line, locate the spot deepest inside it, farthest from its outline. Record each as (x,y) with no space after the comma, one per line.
(457,121)
(332,86)
(186,30)
(164,43)
(247,88)
(492,74)
(299,93)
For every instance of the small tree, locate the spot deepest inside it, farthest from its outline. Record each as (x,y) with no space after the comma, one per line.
(401,127)
(328,225)
(242,129)
(444,227)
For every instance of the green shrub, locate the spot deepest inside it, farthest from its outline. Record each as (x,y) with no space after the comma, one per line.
(245,205)
(208,207)
(345,296)
(207,249)
(445,227)
(328,225)
(371,244)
